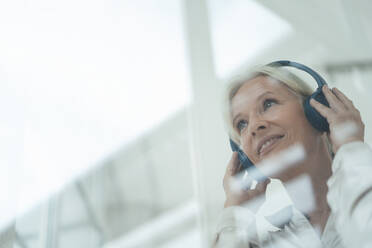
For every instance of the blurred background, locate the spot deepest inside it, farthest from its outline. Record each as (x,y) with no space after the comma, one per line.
(111,124)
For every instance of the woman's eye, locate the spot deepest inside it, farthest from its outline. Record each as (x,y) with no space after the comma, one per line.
(268,103)
(241,125)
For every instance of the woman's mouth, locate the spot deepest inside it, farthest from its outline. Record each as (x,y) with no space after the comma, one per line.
(268,143)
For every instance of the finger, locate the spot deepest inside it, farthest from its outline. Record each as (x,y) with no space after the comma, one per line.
(239,168)
(233,164)
(345,100)
(322,109)
(261,186)
(332,99)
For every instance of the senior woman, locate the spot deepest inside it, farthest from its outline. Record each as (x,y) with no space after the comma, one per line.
(265,117)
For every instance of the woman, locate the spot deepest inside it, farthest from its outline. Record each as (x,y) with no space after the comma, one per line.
(265,116)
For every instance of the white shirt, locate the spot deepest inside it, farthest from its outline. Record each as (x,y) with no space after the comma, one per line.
(349,224)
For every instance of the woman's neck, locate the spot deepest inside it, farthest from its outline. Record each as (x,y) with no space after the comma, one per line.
(319,163)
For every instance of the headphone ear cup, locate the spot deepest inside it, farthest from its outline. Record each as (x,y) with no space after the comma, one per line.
(316,120)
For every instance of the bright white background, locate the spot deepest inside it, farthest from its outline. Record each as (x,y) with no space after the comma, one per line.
(79,80)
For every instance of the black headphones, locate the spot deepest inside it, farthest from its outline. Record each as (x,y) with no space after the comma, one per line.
(315,119)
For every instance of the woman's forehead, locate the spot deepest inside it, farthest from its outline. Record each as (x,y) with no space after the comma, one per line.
(253,90)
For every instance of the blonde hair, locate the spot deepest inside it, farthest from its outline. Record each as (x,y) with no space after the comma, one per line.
(294,83)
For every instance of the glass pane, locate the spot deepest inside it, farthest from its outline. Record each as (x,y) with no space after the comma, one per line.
(117,119)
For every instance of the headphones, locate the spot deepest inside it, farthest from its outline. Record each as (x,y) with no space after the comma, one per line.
(313,116)
(316,120)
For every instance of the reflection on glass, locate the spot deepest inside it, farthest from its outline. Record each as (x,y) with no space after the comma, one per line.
(126,201)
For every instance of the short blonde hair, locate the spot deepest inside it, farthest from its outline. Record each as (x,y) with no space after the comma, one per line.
(281,74)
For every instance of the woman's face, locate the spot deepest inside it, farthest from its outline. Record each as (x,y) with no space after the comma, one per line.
(270,118)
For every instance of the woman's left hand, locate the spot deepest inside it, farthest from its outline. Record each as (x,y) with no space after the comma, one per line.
(345,122)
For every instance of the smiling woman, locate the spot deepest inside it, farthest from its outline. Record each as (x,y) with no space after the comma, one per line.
(272,76)
(264,111)
(265,117)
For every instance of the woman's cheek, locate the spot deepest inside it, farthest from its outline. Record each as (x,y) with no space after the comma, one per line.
(249,152)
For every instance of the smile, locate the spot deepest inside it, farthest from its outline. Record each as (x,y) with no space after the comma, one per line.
(268,144)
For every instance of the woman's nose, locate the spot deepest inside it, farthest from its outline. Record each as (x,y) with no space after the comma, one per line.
(258,127)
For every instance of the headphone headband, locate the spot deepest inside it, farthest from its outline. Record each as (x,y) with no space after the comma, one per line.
(319,80)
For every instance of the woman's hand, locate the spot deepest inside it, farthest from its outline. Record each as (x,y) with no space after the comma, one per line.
(345,122)
(235,197)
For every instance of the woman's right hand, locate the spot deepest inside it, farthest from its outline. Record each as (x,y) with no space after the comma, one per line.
(236,197)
